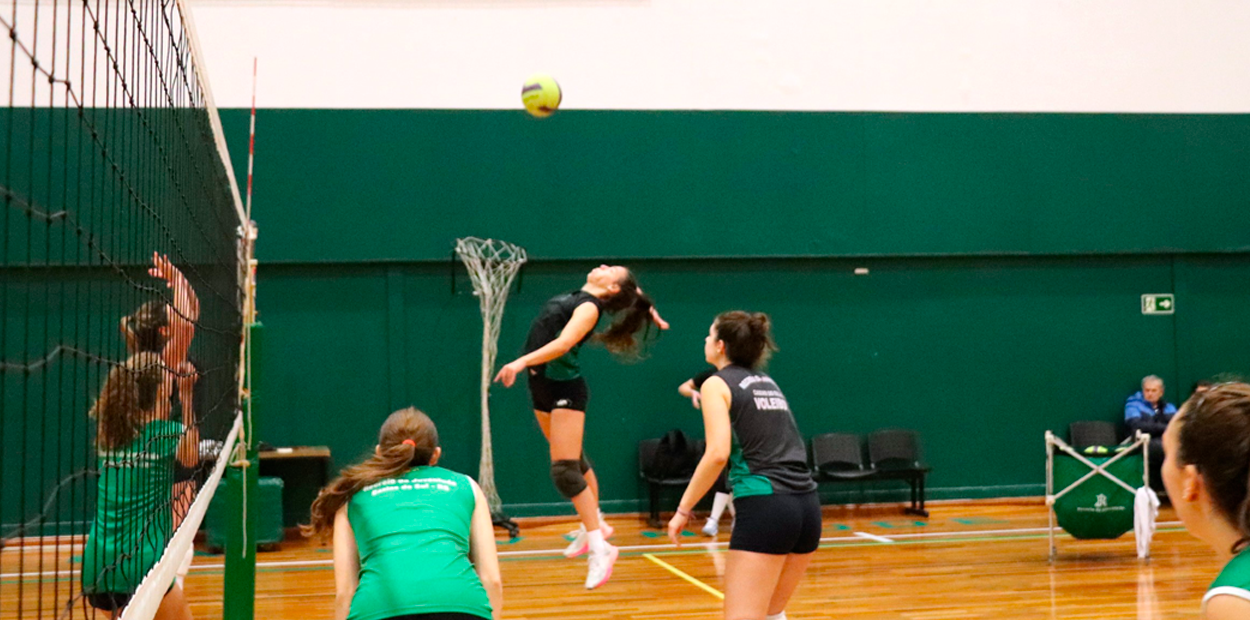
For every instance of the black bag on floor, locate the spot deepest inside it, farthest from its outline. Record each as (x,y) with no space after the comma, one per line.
(675,457)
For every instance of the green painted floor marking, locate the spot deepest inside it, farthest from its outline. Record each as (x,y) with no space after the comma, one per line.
(659,534)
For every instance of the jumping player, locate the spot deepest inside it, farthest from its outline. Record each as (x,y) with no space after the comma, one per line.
(559,394)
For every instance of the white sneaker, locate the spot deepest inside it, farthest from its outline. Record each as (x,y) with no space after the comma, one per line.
(711,528)
(600,567)
(580,544)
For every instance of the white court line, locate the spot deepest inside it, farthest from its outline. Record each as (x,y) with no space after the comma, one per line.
(857,537)
(881,539)
(40,548)
(47,573)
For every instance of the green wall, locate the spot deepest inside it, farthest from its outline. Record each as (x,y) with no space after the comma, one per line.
(981,355)
(399,185)
(1007,256)
(86,200)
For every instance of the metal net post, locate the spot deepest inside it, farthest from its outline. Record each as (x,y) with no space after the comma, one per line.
(492,266)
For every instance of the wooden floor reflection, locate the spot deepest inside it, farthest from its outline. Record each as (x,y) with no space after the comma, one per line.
(984,559)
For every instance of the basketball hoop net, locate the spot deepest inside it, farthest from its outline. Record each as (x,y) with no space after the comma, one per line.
(492,266)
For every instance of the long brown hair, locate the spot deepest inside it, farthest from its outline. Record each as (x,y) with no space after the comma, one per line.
(631,309)
(129,392)
(1214,437)
(747,336)
(143,327)
(391,458)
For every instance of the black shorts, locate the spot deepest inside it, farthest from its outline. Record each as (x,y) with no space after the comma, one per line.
(776,524)
(114,601)
(109,601)
(547,394)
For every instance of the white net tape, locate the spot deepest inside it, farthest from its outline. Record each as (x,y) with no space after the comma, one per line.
(492,266)
(147,597)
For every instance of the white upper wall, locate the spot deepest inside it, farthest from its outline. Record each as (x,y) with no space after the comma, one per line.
(882,55)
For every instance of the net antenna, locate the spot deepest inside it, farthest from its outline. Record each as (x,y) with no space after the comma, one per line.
(492,266)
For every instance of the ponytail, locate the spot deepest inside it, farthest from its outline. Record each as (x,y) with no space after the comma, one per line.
(130,390)
(408,439)
(631,309)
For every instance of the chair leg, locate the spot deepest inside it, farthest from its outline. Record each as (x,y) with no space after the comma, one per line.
(917,496)
(922,512)
(655,506)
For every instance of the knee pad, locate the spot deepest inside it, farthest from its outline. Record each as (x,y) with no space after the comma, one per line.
(568,477)
(583,464)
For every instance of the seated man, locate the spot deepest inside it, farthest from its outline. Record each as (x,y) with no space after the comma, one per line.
(1146,411)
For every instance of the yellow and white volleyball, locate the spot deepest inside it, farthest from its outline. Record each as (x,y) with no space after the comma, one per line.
(541,95)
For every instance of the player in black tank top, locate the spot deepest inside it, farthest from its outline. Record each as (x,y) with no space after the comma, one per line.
(749,426)
(559,393)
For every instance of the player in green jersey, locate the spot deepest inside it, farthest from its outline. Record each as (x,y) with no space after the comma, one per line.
(137,444)
(412,541)
(1207,474)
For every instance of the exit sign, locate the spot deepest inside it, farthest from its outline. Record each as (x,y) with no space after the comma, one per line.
(1158,304)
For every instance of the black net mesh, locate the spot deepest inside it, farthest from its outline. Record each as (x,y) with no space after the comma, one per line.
(120,297)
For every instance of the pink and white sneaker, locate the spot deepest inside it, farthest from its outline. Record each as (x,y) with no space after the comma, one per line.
(600,567)
(580,545)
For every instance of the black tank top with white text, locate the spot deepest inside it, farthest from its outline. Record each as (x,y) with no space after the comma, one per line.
(767,455)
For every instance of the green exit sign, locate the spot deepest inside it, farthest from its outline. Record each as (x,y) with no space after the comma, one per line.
(1158,304)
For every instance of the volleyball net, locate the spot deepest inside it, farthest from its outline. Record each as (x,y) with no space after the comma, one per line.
(124,287)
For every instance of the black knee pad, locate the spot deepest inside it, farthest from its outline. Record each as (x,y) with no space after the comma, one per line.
(568,477)
(584,464)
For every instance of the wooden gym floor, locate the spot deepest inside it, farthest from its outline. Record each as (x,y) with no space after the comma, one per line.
(978,559)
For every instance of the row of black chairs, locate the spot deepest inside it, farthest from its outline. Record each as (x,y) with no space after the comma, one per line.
(892,454)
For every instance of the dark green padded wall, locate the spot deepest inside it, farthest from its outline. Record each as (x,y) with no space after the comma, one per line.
(981,355)
(1048,227)
(993,338)
(361,185)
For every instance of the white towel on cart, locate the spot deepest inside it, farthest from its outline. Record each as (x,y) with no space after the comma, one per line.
(1145,512)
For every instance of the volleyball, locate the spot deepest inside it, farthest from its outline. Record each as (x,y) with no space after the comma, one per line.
(541,95)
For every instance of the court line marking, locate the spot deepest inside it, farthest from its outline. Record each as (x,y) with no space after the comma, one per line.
(669,549)
(673,569)
(880,539)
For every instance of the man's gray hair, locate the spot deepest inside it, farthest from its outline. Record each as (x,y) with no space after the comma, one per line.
(1151,379)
